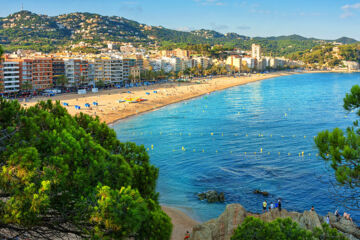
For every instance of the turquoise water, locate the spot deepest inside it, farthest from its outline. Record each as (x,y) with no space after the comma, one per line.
(244,138)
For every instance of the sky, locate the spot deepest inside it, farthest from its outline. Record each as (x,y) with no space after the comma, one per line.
(324,19)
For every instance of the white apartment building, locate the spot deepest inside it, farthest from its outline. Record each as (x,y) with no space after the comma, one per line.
(250,62)
(114,71)
(76,71)
(234,61)
(204,62)
(174,62)
(11,77)
(256,51)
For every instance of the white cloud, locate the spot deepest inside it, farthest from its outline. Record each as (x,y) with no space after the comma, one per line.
(349,9)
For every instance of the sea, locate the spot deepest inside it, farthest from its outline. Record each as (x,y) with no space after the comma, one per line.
(254,136)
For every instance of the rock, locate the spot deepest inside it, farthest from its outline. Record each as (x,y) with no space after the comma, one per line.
(257,191)
(345,226)
(309,220)
(222,197)
(212,196)
(202,196)
(224,226)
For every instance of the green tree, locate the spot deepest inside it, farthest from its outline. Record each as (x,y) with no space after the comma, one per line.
(26,86)
(100,84)
(341,150)
(62,81)
(63,174)
(281,229)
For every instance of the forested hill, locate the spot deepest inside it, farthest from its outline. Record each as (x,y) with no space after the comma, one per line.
(28,30)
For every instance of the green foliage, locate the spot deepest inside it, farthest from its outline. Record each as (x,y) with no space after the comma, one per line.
(1,51)
(350,52)
(342,149)
(70,174)
(281,229)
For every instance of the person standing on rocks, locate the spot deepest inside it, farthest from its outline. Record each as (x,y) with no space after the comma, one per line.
(279,205)
(271,206)
(264,206)
(327,220)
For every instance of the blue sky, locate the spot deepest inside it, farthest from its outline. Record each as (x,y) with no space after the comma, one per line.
(325,19)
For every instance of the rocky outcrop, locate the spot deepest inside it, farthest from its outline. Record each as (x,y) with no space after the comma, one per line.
(258,191)
(345,226)
(224,226)
(212,196)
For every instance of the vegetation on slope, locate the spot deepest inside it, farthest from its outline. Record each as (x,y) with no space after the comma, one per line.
(62,174)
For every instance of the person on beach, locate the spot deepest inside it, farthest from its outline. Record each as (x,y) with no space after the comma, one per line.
(312,209)
(264,206)
(279,205)
(276,204)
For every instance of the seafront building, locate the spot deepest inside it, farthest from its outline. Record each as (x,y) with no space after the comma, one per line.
(38,71)
(10,81)
(76,71)
(111,71)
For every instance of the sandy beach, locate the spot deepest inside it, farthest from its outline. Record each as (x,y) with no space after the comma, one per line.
(158,95)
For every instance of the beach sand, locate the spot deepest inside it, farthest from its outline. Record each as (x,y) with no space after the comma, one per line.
(181,222)
(110,110)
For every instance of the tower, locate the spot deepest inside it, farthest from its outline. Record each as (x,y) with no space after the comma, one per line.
(256,51)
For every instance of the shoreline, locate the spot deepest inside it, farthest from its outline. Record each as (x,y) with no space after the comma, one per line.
(111,111)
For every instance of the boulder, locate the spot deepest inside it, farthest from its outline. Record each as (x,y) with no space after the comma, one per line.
(223,227)
(257,191)
(309,220)
(212,196)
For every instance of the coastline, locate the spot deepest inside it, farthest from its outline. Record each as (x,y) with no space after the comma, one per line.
(110,110)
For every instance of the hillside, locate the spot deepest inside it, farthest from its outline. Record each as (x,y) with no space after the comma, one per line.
(328,56)
(28,30)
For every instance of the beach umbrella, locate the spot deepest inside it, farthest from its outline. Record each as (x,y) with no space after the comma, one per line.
(87,105)
(155,91)
(95,103)
(129,92)
(147,93)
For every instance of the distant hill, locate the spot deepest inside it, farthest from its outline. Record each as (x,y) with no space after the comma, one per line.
(346,40)
(28,30)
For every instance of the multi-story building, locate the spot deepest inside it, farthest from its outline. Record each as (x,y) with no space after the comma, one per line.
(174,62)
(204,62)
(256,51)
(234,61)
(112,71)
(76,71)
(176,53)
(10,77)
(58,69)
(35,73)
(249,62)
